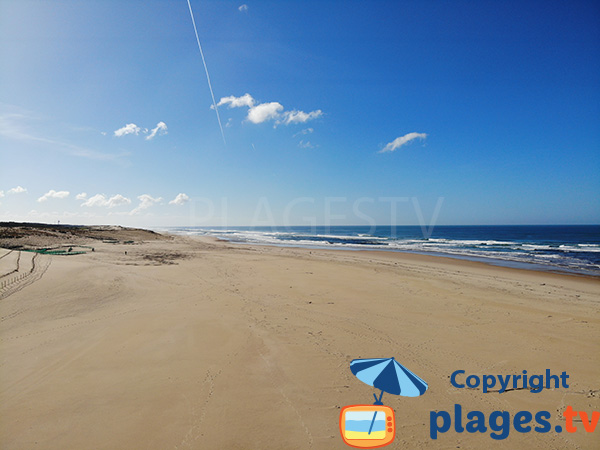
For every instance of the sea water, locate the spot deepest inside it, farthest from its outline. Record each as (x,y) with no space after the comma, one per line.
(364,425)
(562,248)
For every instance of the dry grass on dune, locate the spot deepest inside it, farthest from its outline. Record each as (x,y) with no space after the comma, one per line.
(15,235)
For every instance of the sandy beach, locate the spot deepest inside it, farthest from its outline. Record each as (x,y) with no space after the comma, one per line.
(168,342)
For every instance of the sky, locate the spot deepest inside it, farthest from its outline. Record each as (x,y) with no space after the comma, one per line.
(324,112)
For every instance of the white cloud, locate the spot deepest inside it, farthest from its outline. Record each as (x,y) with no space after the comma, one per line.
(53,194)
(179,200)
(117,200)
(265,111)
(101,200)
(130,128)
(1,194)
(17,190)
(300,116)
(161,128)
(146,201)
(402,140)
(304,132)
(81,196)
(243,8)
(96,200)
(236,102)
(305,144)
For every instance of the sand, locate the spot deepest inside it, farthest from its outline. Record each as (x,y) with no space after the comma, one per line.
(194,343)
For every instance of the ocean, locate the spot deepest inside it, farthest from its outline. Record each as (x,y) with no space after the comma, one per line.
(560,248)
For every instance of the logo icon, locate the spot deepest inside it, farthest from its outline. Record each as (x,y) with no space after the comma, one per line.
(372,426)
(367,426)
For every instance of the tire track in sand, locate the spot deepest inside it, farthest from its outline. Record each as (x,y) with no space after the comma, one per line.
(39,265)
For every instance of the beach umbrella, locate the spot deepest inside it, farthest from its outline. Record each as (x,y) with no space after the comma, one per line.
(389,376)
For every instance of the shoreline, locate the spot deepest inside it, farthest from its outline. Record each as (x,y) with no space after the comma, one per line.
(570,249)
(495,262)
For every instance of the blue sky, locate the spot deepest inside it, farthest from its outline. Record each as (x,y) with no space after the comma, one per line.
(357,112)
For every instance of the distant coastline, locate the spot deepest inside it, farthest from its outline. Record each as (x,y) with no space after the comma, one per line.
(573,249)
(565,249)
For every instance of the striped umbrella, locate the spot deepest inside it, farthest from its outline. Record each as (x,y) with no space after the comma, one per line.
(389,376)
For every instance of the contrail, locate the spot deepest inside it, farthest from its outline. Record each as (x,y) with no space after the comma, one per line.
(206,70)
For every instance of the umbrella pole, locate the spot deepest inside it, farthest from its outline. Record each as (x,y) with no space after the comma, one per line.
(377,402)
(372,422)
